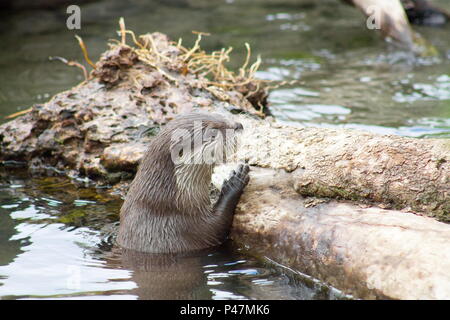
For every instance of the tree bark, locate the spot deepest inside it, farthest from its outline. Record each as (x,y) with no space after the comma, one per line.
(395,172)
(368,252)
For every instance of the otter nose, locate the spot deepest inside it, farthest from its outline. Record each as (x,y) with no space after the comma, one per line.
(238,126)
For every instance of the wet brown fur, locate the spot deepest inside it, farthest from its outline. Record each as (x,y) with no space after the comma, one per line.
(167,208)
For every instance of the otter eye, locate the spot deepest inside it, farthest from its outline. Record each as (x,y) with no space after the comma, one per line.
(213,133)
(238,126)
(180,154)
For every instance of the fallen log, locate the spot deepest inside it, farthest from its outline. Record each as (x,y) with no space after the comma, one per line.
(368,252)
(397,172)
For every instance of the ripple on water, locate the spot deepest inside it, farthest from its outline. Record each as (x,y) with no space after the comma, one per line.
(437,90)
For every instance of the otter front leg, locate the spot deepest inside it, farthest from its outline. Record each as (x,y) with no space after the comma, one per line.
(229,197)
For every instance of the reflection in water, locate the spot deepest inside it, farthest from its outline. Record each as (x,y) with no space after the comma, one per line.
(56,243)
(9,248)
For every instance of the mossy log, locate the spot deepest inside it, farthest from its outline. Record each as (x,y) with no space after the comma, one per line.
(395,172)
(365,251)
(320,201)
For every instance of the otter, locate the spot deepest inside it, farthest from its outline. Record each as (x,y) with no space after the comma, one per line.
(167,208)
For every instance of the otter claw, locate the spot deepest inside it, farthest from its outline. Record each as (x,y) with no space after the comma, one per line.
(238,180)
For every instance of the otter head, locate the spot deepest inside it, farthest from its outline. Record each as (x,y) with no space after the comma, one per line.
(202,139)
(198,142)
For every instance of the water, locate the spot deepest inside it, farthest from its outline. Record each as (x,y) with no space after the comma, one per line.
(52,233)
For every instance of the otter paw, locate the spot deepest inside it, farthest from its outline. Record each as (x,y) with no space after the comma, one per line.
(238,180)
